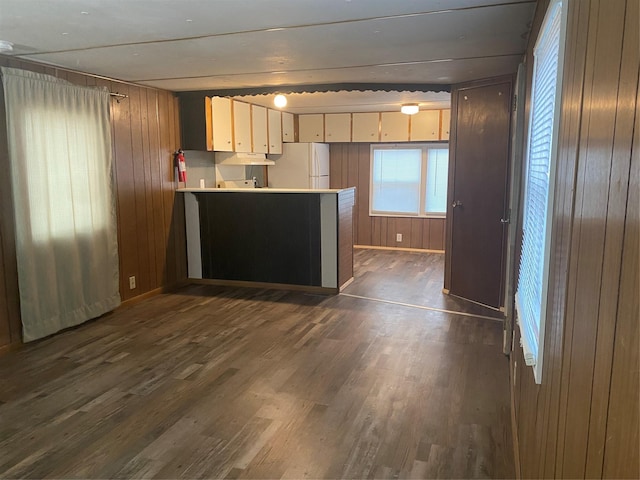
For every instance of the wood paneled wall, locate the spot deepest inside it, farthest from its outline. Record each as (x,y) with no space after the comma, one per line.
(350,167)
(346,204)
(10,325)
(583,419)
(145,133)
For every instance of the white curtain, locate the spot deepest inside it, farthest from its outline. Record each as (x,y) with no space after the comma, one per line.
(59,139)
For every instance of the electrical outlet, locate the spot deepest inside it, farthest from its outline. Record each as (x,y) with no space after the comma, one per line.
(398,237)
(132,282)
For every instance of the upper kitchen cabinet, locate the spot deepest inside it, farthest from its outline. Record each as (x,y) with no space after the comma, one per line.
(337,127)
(275,131)
(425,125)
(311,128)
(365,127)
(288,129)
(221,130)
(242,126)
(206,124)
(394,127)
(445,124)
(259,129)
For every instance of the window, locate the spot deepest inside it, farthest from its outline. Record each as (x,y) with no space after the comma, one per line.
(531,294)
(69,194)
(409,180)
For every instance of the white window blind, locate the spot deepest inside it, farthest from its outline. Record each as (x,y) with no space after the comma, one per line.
(409,180)
(531,294)
(396,180)
(437,176)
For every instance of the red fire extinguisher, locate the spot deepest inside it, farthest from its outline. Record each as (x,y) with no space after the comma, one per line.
(181,166)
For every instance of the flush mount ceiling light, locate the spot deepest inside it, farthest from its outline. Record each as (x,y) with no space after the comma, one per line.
(280,101)
(409,108)
(5,46)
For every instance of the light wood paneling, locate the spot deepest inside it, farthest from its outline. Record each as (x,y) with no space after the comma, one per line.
(145,133)
(582,420)
(350,167)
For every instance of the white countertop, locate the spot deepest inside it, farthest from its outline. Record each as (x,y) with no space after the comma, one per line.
(262,190)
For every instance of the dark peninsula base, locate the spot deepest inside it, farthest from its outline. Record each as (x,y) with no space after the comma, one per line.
(276,238)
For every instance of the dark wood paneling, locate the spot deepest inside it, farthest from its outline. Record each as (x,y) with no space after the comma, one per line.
(436,233)
(145,133)
(582,420)
(597,247)
(350,167)
(335,165)
(623,421)
(10,325)
(363,221)
(5,328)
(416,233)
(346,201)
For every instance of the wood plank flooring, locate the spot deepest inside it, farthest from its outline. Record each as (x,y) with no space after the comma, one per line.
(408,277)
(213,382)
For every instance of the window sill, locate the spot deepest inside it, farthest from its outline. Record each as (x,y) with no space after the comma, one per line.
(400,215)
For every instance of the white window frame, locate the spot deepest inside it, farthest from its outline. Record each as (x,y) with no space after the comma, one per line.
(425,147)
(532,344)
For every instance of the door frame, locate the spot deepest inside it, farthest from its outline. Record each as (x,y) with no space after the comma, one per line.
(516,164)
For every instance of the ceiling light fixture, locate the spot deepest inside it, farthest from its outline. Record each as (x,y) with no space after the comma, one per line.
(409,108)
(280,101)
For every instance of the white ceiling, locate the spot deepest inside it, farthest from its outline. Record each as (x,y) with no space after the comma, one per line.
(234,44)
(352,101)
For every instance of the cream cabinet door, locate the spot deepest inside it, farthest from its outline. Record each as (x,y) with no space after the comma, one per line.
(425,125)
(394,127)
(259,129)
(275,131)
(221,125)
(242,126)
(288,131)
(365,127)
(337,127)
(311,127)
(445,124)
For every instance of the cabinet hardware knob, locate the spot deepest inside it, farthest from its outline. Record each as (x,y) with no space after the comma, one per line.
(456,203)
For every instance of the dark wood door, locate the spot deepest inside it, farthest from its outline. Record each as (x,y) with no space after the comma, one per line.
(478,199)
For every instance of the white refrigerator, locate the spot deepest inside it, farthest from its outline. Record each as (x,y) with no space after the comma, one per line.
(301,165)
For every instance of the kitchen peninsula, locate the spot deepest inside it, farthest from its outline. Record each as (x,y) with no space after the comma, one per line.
(267,237)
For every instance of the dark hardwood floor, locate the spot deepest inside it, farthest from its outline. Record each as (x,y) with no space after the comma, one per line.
(213,382)
(415,278)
